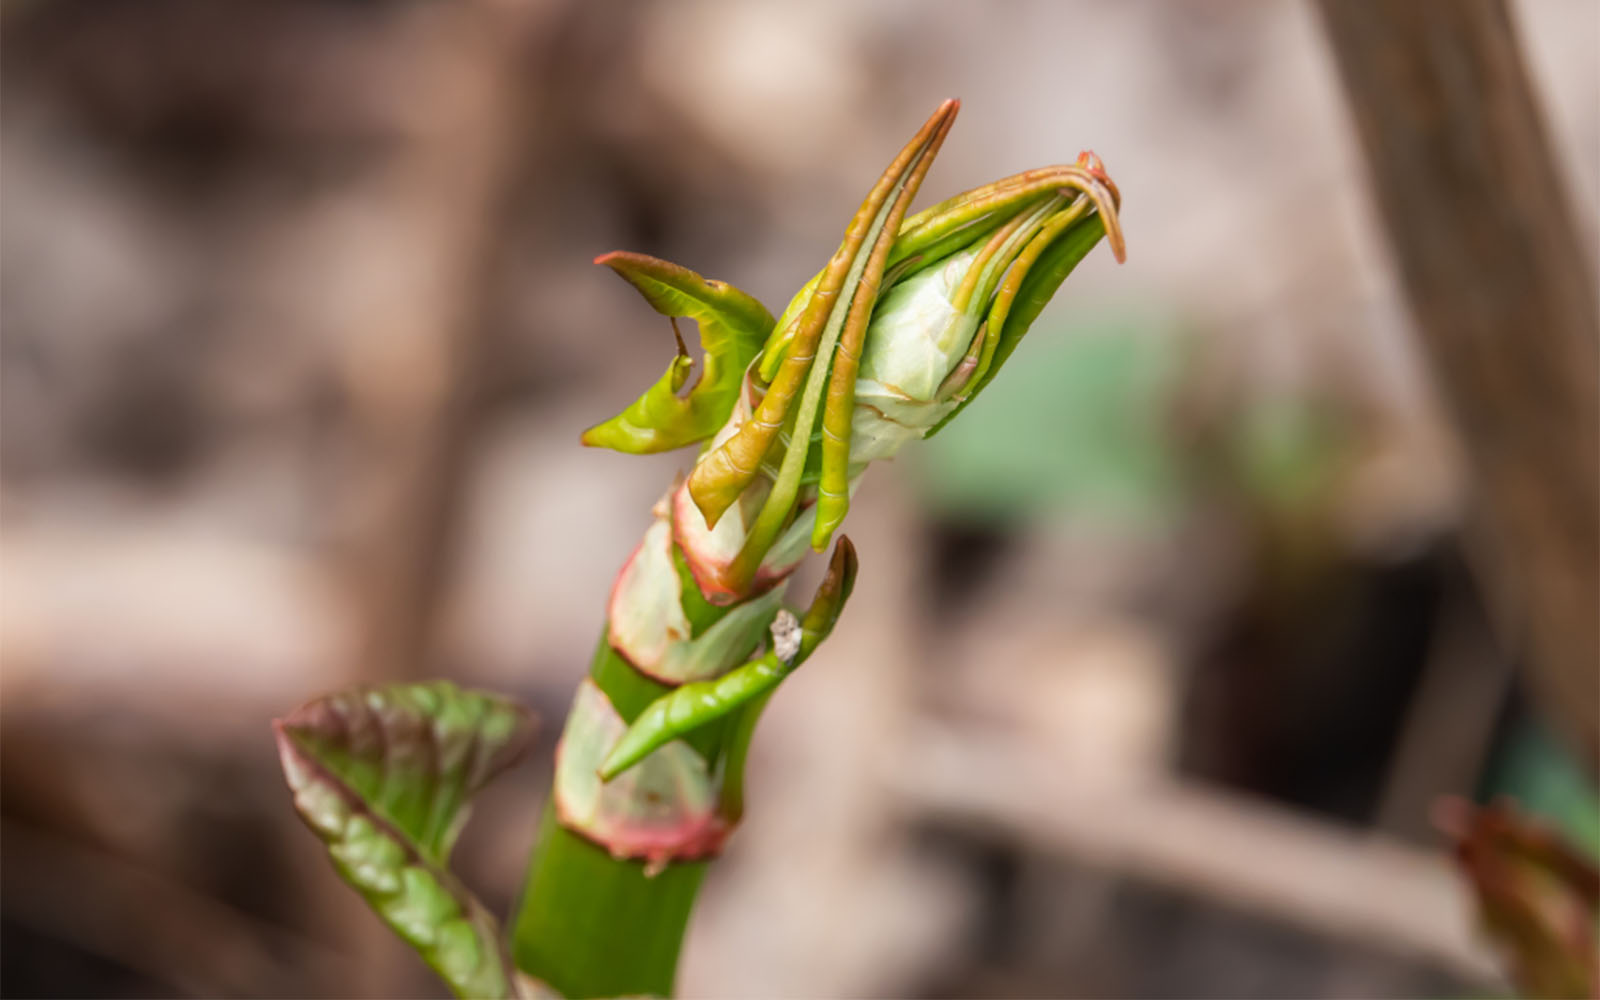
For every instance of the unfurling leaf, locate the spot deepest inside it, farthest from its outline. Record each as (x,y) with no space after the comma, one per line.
(693,705)
(733,327)
(843,296)
(383,776)
(908,322)
(664,810)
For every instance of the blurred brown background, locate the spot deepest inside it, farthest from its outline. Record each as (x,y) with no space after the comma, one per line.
(1157,659)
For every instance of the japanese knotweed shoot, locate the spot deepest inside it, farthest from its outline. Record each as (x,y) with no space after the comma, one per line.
(910,319)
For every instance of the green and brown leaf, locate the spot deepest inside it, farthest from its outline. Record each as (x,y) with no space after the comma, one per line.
(383,775)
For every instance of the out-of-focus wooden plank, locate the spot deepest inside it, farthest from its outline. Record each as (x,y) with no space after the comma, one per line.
(415,375)
(1502,295)
(1449,727)
(1245,853)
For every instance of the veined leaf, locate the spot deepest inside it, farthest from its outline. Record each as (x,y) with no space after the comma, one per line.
(383,776)
(733,327)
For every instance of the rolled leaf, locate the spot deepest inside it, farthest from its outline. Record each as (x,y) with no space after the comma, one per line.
(1037,285)
(663,810)
(833,493)
(696,704)
(720,476)
(733,327)
(383,776)
(710,552)
(648,626)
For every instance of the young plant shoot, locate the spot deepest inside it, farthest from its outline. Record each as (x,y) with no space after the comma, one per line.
(907,323)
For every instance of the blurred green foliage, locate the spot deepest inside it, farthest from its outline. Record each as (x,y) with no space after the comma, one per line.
(1082,423)
(1107,419)
(1284,451)
(1542,775)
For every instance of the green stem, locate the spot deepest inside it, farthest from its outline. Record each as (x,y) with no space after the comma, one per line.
(588,924)
(593,926)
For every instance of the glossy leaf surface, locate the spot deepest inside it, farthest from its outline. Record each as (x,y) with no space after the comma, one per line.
(733,328)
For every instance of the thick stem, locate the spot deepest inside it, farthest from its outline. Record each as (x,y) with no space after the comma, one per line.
(592,925)
(589,924)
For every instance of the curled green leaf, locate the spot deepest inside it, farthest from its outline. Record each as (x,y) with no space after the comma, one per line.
(833,486)
(383,776)
(721,475)
(693,705)
(963,282)
(733,327)
(846,326)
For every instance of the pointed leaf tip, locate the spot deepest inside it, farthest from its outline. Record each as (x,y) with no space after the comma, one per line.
(826,337)
(733,326)
(1091,162)
(833,591)
(1108,207)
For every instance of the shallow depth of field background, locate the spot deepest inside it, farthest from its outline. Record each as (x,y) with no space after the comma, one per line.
(1157,659)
